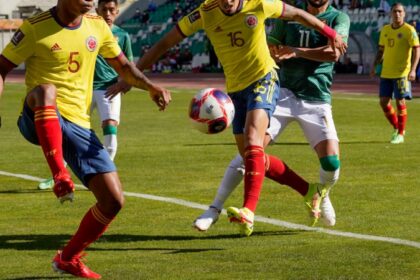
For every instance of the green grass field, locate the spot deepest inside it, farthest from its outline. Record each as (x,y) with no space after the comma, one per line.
(159,154)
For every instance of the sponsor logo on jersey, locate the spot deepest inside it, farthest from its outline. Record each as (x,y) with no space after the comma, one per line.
(17,37)
(251,21)
(194,16)
(55,47)
(91,43)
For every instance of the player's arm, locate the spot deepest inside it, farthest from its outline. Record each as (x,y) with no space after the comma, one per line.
(133,76)
(173,37)
(414,62)
(377,60)
(305,18)
(5,67)
(320,54)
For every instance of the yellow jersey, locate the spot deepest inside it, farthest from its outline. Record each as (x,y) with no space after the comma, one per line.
(398,44)
(239,40)
(63,56)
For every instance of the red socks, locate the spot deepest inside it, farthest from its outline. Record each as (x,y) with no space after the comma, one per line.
(402,118)
(254,175)
(277,171)
(391,116)
(49,135)
(92,226)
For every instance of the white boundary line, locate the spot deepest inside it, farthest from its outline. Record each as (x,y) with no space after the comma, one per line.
(257,218)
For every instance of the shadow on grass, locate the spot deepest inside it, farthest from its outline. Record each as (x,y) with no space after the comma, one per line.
(56,241)
(40,277)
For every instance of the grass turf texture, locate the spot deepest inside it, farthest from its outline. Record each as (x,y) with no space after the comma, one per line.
(160,154)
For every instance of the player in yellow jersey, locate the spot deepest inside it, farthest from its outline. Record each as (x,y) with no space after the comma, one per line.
(237,32)
(59,48)
(399,52)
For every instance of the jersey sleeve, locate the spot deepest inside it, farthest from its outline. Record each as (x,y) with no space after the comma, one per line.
(109,47)
(342,26)
(414,38)
(277,34)
(273,8)
(191,23)
(382,37)
(127,47)
(21,46)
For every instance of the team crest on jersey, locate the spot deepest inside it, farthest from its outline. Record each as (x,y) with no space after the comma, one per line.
(91,43)
(399,35)
(251,21)
(17,37)
(194,16)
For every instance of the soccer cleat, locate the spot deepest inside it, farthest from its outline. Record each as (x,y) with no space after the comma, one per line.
(313,200)
(207,219)
(243,217)
(74,267)
(46,184)
(398,139)
(63,187)
(327,211)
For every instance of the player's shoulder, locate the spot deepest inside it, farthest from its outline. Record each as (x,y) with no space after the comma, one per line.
(41,17)
(209,5)
(119,30)
(409,27)
(93,17)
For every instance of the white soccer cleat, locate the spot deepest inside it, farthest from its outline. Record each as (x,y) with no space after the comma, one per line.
(327,211)
(207,219)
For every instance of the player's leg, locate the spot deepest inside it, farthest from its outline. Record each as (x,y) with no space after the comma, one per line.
(402,91)
(260,100)
(328,154)
(109,112)
(231,179)
(95,169)
(386,88)
(40,117)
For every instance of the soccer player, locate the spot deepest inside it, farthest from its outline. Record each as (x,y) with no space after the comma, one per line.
(105,75)
(307,63)
(399,53)
(59,48)
(237,32)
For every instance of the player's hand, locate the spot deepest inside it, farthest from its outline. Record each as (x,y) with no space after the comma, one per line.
(372,73)
(115,89)
(412,75)
(339,44)
(160,96)
(279,53)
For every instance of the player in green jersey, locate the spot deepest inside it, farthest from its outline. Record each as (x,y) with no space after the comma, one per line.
(305,76)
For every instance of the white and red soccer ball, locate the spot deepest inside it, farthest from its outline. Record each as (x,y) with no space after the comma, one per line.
(211,111)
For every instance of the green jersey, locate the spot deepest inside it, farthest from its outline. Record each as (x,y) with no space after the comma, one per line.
(105,75)
(309,80)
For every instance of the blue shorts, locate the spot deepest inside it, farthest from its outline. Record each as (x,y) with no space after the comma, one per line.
(262,94)
(395,88)
(82,150)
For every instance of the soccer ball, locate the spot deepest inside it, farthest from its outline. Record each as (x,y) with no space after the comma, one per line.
(211,111)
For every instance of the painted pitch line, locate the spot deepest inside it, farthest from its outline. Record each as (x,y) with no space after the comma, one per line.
(257,218)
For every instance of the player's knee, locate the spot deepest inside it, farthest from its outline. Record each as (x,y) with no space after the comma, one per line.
(330,163)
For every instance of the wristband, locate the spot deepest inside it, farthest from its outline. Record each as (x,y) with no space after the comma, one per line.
(328,32)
